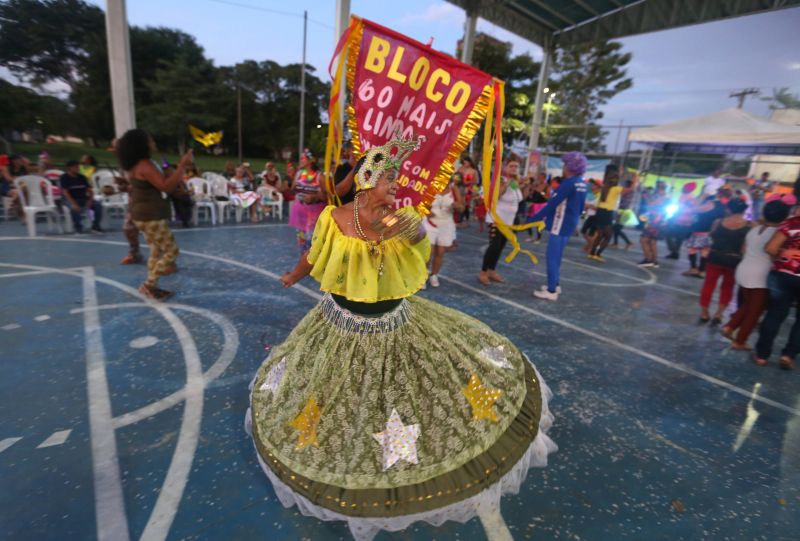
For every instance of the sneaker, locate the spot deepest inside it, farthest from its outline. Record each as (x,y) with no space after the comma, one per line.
(546,295)
(654,264)
(434,280)
(425,285)
(673,256)
(544,288)
(599,259)
(649,264)
(97,230)
(645,263)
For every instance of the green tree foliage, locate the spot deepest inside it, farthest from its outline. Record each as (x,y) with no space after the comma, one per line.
(63,41)
(782,98)
(585,77)
(44,41)
(520,73)
(21,108)
(181,92)
(270,102)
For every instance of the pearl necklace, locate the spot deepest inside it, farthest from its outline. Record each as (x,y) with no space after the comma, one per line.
(375,247)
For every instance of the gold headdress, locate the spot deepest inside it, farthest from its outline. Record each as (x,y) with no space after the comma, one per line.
(385,158)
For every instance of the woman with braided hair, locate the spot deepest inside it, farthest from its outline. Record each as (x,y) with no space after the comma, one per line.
(381,408)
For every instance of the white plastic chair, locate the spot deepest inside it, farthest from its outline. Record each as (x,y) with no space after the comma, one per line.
(116,201)
(7,202)
(203,199)
(220,188)
(272,198)
(35,203)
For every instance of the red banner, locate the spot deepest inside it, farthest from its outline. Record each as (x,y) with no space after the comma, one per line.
(398,84)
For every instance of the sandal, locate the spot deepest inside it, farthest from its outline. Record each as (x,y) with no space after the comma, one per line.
(786,363)
(727,332)
(759,361)
(155,293)
(131,260)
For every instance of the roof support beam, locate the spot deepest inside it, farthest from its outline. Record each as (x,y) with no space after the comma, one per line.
(533,15)
(654,15)
(553,12)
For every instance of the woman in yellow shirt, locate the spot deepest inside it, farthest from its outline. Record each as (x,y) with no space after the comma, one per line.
(607,205)
(381,408)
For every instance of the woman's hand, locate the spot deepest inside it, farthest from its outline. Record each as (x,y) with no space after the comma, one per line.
(186,159)
(288,279)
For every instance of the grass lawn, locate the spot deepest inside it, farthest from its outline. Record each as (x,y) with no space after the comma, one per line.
(61,152)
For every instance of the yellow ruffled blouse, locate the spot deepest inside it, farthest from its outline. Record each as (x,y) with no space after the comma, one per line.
(343,265)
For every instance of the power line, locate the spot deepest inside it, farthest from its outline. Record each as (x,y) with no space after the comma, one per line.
(267,10)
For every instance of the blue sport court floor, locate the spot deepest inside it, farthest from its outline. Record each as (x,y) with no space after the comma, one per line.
(121,419)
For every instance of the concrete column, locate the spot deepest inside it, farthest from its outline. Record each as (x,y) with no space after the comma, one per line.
(119,63)
(536,122)
(469,38)
(342,20)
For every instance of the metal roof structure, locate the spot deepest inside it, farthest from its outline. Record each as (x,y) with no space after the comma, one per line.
(558,23)
(553,23)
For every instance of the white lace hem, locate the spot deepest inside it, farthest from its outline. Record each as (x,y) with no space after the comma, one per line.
(366,528)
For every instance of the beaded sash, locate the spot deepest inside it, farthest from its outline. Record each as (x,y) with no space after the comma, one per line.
(350,322)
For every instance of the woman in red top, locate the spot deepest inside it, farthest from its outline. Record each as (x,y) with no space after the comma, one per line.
(784,291)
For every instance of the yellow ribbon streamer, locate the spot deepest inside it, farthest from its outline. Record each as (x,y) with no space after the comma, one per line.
(491,189)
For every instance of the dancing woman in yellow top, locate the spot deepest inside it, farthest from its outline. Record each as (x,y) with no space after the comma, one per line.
(382,408)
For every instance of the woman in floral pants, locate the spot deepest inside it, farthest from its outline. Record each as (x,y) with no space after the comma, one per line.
(150,211)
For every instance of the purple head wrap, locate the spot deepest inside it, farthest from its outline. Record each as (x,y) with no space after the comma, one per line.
(575,162)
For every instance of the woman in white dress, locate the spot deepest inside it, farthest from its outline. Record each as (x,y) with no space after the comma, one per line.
(440,226)
(751,276)
(242,194)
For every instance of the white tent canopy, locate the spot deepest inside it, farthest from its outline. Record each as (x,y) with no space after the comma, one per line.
(725,132)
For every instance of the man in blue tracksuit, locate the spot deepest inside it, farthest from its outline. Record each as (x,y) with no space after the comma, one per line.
(561,216)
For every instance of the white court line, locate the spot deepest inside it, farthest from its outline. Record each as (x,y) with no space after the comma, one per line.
(313,294)
(223,227)
(652,280)
(41,318)
(11,326)
(112,522)
(600,338)
(56,438)
(7,442)
(229,348)
(301,288)
(171,492)
(18,274)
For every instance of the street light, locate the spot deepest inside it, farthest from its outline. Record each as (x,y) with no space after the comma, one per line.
(549,107)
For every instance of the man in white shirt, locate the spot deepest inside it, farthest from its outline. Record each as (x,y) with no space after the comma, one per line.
(713,183)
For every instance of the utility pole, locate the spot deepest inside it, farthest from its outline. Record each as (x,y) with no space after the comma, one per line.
(742,94)
(303,89)
(239,119)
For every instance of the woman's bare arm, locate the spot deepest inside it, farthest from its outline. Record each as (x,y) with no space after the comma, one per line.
(300,271)
(774,245)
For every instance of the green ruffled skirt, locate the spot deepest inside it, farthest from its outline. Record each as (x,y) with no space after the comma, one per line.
(420,414)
